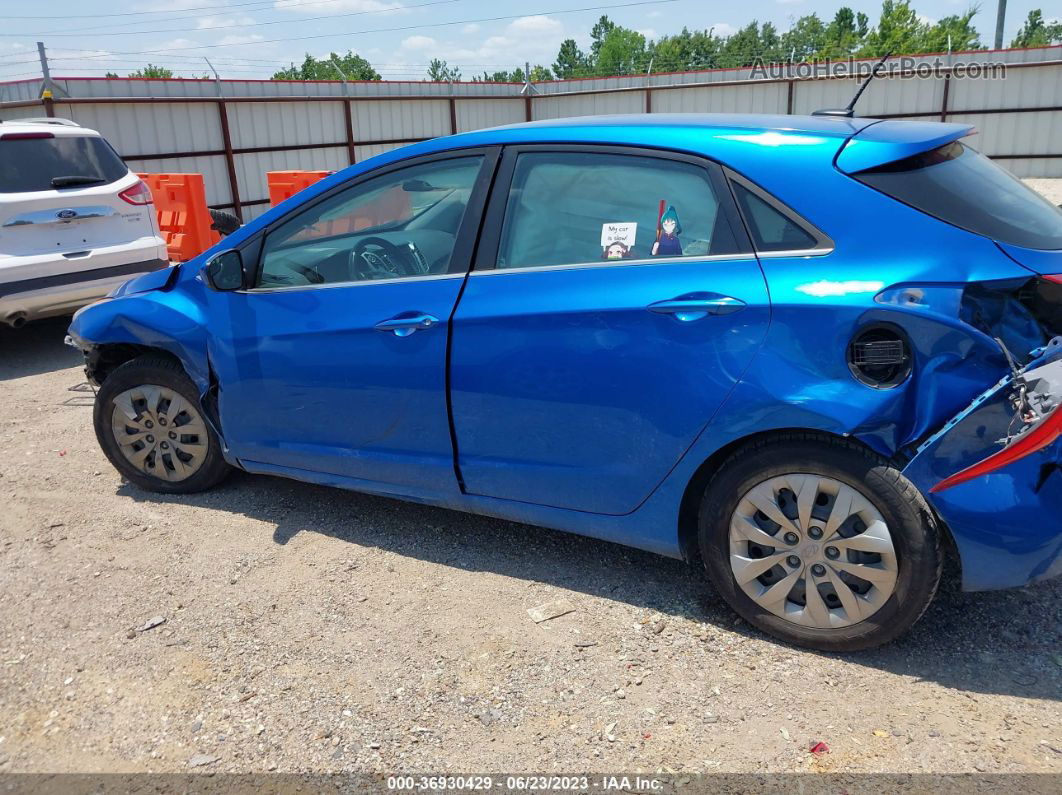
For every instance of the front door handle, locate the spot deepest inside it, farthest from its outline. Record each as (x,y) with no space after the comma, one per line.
(406,323)
(694,306)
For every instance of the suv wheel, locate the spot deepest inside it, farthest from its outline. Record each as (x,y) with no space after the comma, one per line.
(151,427)
(819,542)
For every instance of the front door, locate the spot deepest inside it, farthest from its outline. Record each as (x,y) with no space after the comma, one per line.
(614,305)
(335,360)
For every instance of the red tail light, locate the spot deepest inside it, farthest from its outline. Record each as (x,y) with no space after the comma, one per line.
(24,136)
(1054,277)
(1035,440)
(138,194)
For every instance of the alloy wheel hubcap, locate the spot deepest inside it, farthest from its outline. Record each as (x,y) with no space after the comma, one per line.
(159,432)
(812,550)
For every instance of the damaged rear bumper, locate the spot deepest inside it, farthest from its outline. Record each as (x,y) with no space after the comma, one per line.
(1005,515)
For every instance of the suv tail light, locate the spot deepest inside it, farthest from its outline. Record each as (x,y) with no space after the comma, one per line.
(138,194)
(1056,277)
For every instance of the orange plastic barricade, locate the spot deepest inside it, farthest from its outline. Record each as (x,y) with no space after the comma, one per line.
(285,184)
(184,218)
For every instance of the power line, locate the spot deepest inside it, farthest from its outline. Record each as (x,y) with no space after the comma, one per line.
(69,33)
(398,28)
(281,4)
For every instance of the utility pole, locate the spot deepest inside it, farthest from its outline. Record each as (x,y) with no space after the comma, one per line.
(342,75)
(217,77)
(49,89)
(527,89)
(1001,13)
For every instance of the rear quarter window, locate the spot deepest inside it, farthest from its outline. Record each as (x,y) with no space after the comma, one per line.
(961,186)
(35,164)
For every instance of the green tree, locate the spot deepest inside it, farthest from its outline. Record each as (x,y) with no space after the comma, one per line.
(601,29)
(110,74)
(686,51)
(353,65)
(1036,33)
(571,61)
(540,74)
(441,72)
(899,30)
(844,35)
(954,33)
(152,71)
(622,52)
(744,47)
(492,77)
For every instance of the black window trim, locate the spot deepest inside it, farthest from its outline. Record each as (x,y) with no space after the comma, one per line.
(823,243)
(490,237)
(251,249)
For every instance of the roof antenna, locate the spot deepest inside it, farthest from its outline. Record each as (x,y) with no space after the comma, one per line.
(849,111)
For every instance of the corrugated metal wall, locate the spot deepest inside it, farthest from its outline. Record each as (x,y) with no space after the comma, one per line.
(235,131)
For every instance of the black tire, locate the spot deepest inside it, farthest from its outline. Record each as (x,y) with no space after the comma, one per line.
(165,372)
(223,222)
(914,532)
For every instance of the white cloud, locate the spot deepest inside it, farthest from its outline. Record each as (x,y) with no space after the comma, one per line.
(649,33)
(320,7)
(470,29)
(205,23)
(233,38)
(419,43)
(655,14)
(538,25)
(723,29)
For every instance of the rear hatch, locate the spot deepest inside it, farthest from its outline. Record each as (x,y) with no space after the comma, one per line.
(61,193)
(926,166)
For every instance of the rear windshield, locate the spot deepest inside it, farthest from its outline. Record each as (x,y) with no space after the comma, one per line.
(963,187)
(30,164)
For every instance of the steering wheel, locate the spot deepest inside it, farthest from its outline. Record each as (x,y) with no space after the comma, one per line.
(376,258)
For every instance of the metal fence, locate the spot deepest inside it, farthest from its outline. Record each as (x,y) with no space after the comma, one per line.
(234,131)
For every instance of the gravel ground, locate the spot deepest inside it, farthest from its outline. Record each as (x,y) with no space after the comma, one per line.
(1051,188)
(306,629)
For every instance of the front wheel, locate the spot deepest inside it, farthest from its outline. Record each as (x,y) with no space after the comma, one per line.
(151,427)
(819,542)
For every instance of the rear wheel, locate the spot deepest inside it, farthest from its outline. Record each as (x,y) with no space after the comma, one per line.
(819,542)
(151,427)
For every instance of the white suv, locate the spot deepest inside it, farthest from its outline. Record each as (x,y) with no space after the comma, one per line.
(75,222)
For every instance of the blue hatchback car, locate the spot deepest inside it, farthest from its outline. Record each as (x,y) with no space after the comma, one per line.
(812,353)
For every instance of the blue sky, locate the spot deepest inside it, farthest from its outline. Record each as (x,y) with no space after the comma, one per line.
(251,38)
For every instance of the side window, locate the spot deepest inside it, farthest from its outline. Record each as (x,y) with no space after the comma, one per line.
(771,230)
(567,208)
(398,225)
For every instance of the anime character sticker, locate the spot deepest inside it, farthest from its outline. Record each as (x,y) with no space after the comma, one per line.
(617,239)
(668,229)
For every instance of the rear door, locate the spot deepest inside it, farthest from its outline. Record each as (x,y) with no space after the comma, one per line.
(614,304)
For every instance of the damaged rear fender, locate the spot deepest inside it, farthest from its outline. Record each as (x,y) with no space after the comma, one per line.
(993,474)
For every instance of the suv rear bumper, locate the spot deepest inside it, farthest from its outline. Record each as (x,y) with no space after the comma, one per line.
(61,293)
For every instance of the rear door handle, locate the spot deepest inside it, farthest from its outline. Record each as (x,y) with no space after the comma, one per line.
(694,306)
(406,323)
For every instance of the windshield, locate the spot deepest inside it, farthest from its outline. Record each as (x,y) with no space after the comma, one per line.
(963,187)
(67,161)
